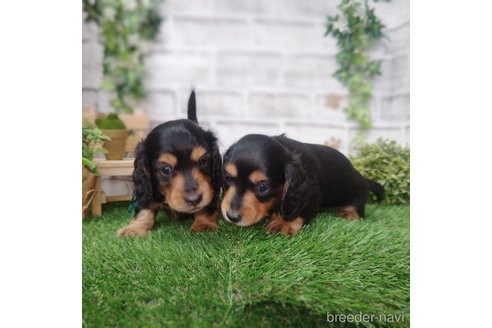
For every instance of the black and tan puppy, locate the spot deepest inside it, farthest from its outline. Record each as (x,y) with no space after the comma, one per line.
(178,168)
(290,182)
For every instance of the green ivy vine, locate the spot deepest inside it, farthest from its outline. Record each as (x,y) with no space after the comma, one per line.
(356,28)
(126,27)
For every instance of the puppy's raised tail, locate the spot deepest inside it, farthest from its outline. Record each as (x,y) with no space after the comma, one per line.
(376,188)
(192,107)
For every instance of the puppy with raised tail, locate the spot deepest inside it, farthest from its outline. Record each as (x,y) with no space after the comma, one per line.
(178,168)
(290,182)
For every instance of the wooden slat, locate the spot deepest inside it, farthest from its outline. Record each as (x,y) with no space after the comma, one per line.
(120,198)
(96,202)
(116,171)
(140,124)
(104,163)
(115,167)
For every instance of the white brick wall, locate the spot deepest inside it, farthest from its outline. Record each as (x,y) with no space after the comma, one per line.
(261,66)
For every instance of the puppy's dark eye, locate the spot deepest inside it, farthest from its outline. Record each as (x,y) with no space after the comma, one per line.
(167,170)
(203,161)
(261,187)
(227,179)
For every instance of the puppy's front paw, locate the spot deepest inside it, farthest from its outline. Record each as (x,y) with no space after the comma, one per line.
(133,230)
(140,225)
(276,224)
(203,226)
(349,212)
(275,227)
(204,221)
(286,228)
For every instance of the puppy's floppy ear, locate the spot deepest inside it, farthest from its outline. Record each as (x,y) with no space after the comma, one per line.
(142,177)
(217,170)
(225,158)
(216,163)
(295,189)
(192,107)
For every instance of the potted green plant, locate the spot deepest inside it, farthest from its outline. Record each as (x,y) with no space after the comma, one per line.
(125,30)
(388,163)
(92,139)
(115,128)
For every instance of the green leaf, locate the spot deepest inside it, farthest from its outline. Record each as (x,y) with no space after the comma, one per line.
(108,84)
(123,61)
(355,67)
(376,161)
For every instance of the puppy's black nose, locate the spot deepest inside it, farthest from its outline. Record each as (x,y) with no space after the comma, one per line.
(193,199)
(233,218)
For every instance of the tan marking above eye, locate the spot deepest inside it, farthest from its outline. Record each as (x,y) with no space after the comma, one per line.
(168,159)
(257,176)
(231,169)
(197,153)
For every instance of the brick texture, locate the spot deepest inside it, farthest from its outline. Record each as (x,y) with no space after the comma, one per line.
(262,67)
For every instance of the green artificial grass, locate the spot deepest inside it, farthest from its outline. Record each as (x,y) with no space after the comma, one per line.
(243,277)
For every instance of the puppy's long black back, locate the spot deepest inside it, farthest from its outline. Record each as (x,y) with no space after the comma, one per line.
(332,173)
